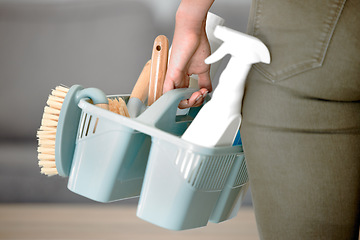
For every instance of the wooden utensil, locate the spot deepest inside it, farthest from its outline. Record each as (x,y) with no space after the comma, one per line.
(139,94)
(159,61)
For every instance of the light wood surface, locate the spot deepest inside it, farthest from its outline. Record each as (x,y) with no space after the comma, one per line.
(108,221)
(141,88)
(159,60)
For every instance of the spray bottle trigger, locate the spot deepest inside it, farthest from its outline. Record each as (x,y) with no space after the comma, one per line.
(218,54)
(243,47)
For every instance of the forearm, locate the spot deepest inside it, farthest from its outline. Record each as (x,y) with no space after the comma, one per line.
(190,47)
(191,15)
(189,30)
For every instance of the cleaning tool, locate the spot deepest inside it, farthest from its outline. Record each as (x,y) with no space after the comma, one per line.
(118,105)
(139,94)
(151,80)
(218,121)
(159,61)
(56,136)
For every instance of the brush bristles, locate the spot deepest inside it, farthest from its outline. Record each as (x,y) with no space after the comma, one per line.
(118,106)
(47,132)
(49,171)
(50,110)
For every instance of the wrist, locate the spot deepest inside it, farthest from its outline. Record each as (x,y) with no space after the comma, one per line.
(191,14)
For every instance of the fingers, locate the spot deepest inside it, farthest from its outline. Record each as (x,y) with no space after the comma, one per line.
(175,79)
(204,81)
(168,83)
(196,99)
(190,48)
(180,79)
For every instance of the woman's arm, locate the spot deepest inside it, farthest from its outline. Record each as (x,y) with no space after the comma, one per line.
(190,47)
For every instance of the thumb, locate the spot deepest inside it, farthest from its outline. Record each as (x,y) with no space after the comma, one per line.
(175,79)
(204,81)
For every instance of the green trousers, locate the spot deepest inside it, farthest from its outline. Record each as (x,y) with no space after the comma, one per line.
(301,119)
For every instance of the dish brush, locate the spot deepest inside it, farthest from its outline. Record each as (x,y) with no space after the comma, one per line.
(55,114)
(118,105)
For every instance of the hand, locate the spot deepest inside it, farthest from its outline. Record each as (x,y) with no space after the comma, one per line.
(190,48)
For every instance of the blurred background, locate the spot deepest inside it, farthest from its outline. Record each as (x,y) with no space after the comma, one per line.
(94,43)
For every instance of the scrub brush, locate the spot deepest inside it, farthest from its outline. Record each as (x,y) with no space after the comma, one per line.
(118,106)
(68,114)
(47,131)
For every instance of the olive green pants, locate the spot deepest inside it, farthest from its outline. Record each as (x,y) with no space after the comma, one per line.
(301,119)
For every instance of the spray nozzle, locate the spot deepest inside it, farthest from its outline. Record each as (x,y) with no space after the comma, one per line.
(247,48)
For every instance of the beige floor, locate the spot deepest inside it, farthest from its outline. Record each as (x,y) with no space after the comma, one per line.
(73,222)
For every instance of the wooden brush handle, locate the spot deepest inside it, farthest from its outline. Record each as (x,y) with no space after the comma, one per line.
(159,60)
(141,87)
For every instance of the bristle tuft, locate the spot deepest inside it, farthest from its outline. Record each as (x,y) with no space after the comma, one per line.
(49,171)
(47,134)
(50,116)
(46,149)
(49,123)
(50,110)
(48,142)
(59,93)
(47,128)
(43,156)
(62,89)
(47,164)
(54,104)
(118,106)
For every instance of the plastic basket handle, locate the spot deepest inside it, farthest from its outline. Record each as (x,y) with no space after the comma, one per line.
(162,113)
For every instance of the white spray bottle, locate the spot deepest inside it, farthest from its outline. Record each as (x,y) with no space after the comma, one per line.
(218,121)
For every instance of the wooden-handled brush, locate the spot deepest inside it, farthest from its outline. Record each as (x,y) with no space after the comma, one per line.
(141,87)
(159,61)
(151,80)
(118,105)
(139,94)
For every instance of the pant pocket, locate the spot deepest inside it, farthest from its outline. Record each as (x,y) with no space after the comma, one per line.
(297,33)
